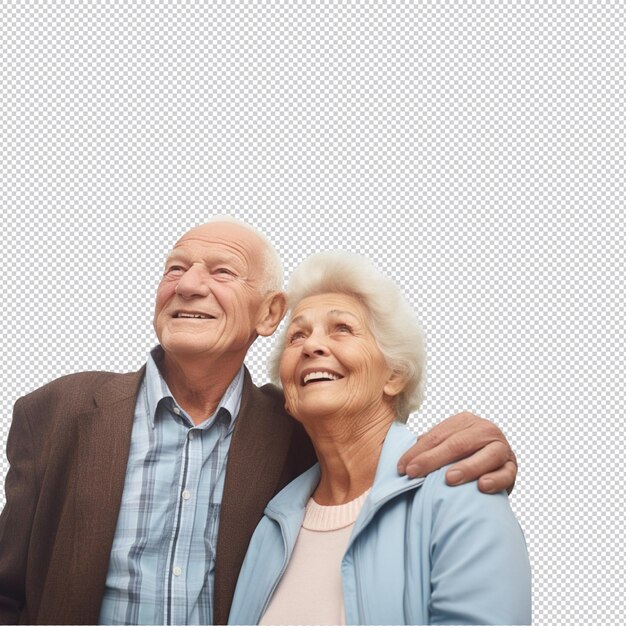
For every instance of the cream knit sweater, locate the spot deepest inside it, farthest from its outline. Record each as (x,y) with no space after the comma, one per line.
(310,590)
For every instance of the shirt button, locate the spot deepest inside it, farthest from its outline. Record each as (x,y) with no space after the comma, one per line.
(186,494)
(176,410)
(191,435)
(177,571)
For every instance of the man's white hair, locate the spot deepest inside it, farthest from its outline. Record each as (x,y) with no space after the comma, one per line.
(272,277)
(392,320)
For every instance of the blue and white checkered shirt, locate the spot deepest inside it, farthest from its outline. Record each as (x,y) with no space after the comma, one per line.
(163,556)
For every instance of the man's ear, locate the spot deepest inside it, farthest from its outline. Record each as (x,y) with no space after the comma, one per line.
(273,310)
(395,384)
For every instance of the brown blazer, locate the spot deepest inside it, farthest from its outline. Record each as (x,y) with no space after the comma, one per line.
(68,449)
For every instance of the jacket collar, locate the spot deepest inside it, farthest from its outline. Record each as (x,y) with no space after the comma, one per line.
(387,481)
(119,388)
(289,505)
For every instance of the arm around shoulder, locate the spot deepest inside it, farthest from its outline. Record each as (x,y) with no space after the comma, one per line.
(17,515)
(480,569)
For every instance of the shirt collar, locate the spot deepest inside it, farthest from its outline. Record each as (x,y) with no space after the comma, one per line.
(156,390)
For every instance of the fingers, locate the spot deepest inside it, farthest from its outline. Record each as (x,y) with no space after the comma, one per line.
(434,438)
(502,479)
(418,449)
(495,468)
(455,447)
(494,464)
(476,446)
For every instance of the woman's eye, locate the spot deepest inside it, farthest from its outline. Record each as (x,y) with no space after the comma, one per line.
(296,336)
(344,328)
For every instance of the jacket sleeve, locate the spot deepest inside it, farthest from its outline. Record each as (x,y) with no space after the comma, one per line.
(17,516)
(480,572)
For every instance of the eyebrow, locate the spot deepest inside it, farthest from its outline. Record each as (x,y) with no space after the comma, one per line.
(332,313)
(176,254)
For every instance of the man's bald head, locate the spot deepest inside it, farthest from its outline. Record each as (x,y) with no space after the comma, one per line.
(272,271)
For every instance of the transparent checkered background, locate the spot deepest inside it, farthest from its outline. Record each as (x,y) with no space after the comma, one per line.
(474,150)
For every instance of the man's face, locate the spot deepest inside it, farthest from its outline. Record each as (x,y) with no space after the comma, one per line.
(208,301)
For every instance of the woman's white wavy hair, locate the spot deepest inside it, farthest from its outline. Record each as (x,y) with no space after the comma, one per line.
(392,320)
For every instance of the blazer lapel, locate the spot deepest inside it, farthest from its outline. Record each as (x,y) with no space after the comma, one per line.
(98,457)
(256,460)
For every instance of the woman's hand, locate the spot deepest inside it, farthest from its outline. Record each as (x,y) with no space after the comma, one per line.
(479,445)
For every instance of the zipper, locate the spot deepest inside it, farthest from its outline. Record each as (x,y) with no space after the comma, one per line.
(379,504)
(359,591)
(355,549)
(286,558)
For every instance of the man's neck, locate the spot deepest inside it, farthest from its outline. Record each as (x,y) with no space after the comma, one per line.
(198,386)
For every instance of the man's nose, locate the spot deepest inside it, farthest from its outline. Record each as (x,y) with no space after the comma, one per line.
(194,282)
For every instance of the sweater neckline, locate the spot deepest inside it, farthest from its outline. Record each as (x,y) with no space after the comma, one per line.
(322,518)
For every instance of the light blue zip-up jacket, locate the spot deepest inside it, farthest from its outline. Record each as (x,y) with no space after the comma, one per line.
(420,552)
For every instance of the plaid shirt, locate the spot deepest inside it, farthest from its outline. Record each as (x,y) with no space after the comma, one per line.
(163,556)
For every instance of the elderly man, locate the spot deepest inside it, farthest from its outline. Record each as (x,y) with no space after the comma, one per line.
(131,498)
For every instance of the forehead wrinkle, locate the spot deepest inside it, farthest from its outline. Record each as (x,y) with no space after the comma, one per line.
(223,249)
(209,255)
(340,312)
(249,245)
(301,319)
(297,320)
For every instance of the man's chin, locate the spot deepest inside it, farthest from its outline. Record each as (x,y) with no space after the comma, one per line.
(190,344)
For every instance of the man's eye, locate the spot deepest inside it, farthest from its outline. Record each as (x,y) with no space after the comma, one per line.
(174,270)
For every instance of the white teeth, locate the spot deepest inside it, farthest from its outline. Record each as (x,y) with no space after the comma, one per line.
(196,316)
(320,376)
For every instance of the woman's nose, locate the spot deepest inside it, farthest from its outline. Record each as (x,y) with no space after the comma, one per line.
(315,345)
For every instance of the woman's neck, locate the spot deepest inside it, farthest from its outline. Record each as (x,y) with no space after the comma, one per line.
(348,451)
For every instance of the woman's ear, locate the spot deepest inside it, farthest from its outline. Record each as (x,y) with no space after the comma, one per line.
(273,310)
(395,384)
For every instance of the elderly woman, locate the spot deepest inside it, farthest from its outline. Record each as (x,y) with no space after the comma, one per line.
(350,541)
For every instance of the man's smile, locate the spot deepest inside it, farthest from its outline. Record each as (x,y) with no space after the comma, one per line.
(192,315)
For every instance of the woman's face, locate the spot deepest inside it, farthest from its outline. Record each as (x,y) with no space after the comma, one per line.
(331,364)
